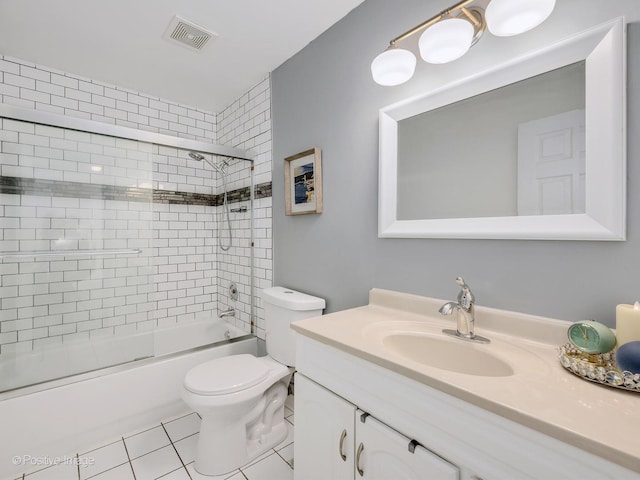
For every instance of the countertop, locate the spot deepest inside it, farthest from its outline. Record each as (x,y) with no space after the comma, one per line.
(541,395)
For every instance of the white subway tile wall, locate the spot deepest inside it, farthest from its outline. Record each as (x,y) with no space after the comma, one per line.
(246,124)
(181,274)
(28,85)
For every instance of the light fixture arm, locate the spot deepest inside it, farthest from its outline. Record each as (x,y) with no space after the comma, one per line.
(471,17)
(436,18)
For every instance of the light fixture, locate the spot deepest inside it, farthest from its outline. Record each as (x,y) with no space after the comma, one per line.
(393,66)
(448,35)
(512,17)
(446,41)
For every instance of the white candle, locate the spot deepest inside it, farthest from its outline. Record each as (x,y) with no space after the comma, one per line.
(627,323)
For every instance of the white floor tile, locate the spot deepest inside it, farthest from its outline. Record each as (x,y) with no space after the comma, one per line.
(257,459)
(153,457)
(187,448)
(123,472)
(287,453)
(103,459)
(287,440)
(238,476)
(197,476)
(291,419)
(180,474)
(145,442)
(155,464)
(271,468)
(57,472)
(183,427)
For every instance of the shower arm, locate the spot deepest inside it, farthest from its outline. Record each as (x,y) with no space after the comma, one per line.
(212,165)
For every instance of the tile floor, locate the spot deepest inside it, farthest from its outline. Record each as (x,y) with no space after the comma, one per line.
(167,452)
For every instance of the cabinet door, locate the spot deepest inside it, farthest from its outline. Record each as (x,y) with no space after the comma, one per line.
(324,435)
(384,454)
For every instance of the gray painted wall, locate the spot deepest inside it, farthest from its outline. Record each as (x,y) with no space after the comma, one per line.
(324,97)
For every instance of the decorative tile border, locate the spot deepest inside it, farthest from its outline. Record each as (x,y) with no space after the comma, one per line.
(183,198)
(56,188)
(262,190)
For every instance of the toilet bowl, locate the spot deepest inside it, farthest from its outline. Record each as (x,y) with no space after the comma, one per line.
(241,401)
(240,398)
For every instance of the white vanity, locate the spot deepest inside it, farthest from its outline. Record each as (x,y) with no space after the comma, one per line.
(382,393)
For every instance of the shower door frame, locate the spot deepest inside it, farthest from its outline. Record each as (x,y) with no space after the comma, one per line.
(92,126)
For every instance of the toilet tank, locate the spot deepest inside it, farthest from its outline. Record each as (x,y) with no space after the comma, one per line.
(281,307)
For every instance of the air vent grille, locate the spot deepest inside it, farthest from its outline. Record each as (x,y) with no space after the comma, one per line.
(188,33)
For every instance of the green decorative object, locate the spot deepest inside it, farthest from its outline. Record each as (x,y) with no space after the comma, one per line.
(591,337)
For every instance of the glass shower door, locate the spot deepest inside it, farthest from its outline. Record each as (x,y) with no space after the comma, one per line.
(76,272)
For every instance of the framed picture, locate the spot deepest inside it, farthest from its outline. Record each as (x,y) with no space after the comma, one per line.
(303,183)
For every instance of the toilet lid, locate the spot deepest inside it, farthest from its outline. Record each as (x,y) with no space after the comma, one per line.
(225,375)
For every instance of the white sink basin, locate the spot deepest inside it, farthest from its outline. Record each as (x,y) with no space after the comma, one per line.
(424,343)
(448,354)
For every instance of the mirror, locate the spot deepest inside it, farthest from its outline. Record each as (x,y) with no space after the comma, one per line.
(534,149)
(494,158)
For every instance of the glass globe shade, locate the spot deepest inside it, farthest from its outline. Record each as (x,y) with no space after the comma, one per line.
(393,67)
(446,40)
(512,17)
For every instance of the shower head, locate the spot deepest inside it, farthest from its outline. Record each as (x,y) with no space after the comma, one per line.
(196,156)
(219,167)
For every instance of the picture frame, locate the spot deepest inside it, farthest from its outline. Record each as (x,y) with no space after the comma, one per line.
(303,182)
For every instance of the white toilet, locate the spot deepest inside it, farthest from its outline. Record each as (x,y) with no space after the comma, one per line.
(241,397)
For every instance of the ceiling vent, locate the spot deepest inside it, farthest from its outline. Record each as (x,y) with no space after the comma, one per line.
(188,34)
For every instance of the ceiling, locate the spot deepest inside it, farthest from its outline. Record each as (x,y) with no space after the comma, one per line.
(121,42)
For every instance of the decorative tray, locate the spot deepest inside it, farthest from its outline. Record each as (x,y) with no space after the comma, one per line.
(601,368)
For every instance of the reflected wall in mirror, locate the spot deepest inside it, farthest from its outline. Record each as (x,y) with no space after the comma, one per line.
(519,150)
(532,149)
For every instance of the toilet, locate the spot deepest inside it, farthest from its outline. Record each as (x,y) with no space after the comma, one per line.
(240,398)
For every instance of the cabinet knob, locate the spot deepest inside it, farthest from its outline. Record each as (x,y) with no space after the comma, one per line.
(343,456)
(358,468)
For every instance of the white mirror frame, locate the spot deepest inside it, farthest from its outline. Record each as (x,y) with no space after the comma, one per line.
(604,49)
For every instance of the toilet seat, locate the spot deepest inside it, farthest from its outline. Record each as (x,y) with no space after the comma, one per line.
(226,375)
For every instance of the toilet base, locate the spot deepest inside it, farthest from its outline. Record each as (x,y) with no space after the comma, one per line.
(223,448)
(257,447)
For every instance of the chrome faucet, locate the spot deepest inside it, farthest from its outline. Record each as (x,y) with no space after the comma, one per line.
(465,312)
(228,313)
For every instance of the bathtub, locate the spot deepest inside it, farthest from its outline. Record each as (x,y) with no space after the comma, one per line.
(74,414)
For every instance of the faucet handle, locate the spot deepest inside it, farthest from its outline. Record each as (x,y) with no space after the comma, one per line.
(465,298)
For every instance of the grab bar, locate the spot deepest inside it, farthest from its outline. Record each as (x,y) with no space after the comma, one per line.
(69,253)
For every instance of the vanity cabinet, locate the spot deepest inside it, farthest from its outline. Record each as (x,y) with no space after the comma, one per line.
(336,440)
(334,387)
(383,453)
(324,435)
